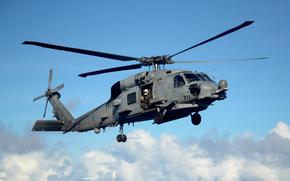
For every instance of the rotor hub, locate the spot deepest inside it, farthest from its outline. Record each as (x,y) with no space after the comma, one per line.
(156,60)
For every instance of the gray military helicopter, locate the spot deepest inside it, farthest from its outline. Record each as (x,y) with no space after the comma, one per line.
(158,94)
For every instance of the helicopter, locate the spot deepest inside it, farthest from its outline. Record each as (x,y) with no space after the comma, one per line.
(159,94)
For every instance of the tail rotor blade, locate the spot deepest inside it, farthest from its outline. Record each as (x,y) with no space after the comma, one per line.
(50,78)
(39,97)
(45,108)
(58,88)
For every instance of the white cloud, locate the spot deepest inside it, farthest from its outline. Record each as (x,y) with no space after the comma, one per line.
(144,157)
(98,163)
(258,171)
(168,158)
(282,129)
(34,166)
(3,175)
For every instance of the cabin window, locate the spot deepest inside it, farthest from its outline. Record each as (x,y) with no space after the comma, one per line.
(178,81)
(131,98)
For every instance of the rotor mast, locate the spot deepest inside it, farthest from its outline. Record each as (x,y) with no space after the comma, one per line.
(156,67)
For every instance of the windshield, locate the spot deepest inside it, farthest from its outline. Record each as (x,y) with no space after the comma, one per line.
(201,77)
(207,77)
(191,77)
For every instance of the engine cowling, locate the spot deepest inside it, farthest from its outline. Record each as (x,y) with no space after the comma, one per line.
(127,83)
(132,81)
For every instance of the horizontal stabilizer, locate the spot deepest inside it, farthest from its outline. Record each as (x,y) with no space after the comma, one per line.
(48,125)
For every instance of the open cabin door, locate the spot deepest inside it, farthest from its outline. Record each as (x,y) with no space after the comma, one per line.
(146,94)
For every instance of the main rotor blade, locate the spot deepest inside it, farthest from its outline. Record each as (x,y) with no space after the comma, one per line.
(246,23)
(115,69)
(221,61)
(81,51)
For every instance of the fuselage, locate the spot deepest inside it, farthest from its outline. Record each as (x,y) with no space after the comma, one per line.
(162,96)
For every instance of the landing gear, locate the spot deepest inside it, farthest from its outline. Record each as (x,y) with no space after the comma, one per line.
(195,119)
(121,137)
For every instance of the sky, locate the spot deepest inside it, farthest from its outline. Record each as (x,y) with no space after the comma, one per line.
(239,136)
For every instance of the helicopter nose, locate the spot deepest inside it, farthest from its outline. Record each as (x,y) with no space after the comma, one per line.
(207,90)
(213,90)
(223,85)
(220,92)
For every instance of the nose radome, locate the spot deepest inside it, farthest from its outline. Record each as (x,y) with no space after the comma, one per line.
(220,93)
(223,85)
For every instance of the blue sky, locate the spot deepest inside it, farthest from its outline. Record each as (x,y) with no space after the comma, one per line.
(258,95)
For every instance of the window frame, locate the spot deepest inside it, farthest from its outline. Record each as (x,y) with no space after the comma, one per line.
(193,75)
(177,84)
(131,98)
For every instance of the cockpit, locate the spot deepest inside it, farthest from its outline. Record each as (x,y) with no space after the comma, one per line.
(179,80)
(190,77)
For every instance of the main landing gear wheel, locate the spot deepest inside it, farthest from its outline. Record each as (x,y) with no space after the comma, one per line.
(195,119)
(121,137)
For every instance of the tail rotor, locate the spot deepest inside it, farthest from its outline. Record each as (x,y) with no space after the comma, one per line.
(49,92)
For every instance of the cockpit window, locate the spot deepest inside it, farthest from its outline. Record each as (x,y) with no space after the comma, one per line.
(191,77)
(207,77)
(178,81)
(201,77)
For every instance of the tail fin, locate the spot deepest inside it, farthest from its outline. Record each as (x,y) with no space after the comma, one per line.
(60,111)
(63,116)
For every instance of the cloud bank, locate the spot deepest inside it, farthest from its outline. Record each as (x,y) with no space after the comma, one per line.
(143,157)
